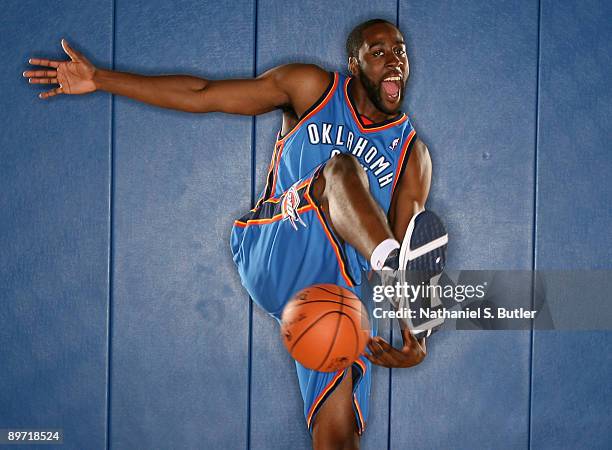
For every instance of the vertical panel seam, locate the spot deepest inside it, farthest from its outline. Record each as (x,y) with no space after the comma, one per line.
(110,262)
(390,381)
(252,203)
(534,239)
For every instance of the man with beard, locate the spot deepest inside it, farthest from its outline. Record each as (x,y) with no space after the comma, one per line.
(347,182)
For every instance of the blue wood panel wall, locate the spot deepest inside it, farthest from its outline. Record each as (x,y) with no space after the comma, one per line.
(513,102)
(472,97)
(54,228)
(572,392)
(180,333)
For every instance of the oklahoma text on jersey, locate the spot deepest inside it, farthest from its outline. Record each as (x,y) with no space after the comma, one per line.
(339,138)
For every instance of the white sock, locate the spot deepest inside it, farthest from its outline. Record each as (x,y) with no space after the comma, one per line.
(381,252)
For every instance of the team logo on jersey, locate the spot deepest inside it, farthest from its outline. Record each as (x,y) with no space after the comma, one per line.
(393,145)
(289,207)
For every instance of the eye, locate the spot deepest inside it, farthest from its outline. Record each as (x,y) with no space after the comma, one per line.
(400,51)
(377,53)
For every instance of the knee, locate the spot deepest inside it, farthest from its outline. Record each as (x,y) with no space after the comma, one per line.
(345,166)
(337,443)
(336,435)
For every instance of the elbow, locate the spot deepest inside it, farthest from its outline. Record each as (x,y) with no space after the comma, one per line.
(199,99)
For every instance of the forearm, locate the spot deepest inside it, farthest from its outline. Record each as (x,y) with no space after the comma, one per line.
(413,190)
(180,92)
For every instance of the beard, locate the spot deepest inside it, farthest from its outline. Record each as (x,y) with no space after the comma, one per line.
(373,90)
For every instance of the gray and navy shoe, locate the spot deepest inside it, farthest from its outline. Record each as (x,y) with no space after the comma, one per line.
(422,256)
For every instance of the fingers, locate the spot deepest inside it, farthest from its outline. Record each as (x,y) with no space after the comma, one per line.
(42,77)
(40,73)
(382,353)
(375,348)
(384,344)
(51,93)
(375,360)
(385,360)
(74,55)
(44,62)
(43,81)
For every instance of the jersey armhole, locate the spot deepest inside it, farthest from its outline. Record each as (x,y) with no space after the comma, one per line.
(312,107)
(404,161)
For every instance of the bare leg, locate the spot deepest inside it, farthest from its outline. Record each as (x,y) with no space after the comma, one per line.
(335,427)
(343,192)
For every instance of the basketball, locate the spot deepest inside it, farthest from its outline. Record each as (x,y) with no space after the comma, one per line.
(325,327)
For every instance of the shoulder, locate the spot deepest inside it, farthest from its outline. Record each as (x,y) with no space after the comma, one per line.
(419,149)
(419,161)
(304,84)
(308,73)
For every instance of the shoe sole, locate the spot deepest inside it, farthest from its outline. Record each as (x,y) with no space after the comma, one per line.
(422,257)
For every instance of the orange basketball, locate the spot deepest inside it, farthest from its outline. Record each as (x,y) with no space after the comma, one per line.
(325,327)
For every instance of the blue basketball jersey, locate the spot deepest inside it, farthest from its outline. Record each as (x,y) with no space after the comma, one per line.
(333,126)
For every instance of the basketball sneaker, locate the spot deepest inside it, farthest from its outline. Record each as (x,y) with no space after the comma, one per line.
(421,257)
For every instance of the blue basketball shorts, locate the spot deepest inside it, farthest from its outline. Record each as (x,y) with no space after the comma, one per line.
(284,245)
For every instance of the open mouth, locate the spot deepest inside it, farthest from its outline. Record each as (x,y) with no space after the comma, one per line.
(392,87)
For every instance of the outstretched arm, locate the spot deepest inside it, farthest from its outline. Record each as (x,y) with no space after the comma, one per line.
(296,86)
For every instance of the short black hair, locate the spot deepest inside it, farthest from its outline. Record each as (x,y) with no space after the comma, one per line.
(354,41)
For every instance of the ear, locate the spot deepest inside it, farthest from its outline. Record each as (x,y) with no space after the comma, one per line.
(353,64)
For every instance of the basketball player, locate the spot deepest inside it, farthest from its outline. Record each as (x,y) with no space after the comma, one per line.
(347,183)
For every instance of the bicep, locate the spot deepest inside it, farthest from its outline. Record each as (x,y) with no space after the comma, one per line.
(412,189)
(247,97)
(293,85)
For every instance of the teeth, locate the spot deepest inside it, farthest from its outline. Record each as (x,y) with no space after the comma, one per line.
(392,79)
